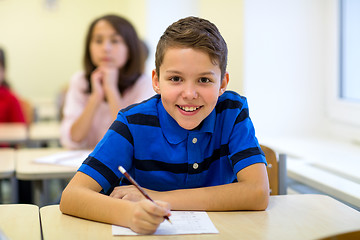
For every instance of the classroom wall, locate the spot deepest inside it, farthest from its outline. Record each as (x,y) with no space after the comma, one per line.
(44,43)
(286,65)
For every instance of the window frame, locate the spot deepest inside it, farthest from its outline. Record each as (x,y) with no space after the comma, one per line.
(339,109)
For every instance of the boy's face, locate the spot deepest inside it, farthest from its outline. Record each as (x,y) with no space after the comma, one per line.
(189,85)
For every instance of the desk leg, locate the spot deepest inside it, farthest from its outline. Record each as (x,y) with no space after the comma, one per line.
(282,174)
(37,190)
(14,190)
(41,192)
(1,194)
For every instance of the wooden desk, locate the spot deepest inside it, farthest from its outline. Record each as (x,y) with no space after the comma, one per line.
(7,162)
(7,171)
(287,217)
(27,169)
(12,133)
(20,221)
(44,132)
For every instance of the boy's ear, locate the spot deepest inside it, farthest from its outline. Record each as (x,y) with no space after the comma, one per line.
(224,84)
(155,82)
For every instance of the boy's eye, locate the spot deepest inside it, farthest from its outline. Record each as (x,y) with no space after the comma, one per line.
(175,79)
(204,80)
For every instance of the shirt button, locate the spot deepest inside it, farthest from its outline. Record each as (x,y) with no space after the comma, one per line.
(195,166)
(194,140)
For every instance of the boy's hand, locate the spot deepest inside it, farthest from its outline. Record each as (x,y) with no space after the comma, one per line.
(129,192)
(147,216)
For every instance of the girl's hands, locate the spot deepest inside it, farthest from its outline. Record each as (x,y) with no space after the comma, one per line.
(97,90)
(110,78)
(146,216)
(104,80)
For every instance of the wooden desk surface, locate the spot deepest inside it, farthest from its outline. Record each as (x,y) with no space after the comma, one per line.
(13,133)
(7,162)
(44,131)
(27,169)
(20,221)
(287,217)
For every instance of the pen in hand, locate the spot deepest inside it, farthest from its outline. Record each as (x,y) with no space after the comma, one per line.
(123,171)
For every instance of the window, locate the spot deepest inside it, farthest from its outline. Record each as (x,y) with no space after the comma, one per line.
(349,50)
(344,59)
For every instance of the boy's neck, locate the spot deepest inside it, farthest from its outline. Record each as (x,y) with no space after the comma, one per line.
(198,127)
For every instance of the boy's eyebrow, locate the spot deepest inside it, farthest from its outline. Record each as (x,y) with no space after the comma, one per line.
(203,73)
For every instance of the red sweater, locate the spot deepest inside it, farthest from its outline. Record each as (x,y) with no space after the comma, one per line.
(10,108)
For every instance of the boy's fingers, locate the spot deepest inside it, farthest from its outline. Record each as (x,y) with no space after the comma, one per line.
(158,210)
(165,206)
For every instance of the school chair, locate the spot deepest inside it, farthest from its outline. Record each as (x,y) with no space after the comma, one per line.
(344,236)
(276,170)
(28,110)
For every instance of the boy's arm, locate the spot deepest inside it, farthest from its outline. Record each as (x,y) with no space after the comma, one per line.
(251,192)
(81,198)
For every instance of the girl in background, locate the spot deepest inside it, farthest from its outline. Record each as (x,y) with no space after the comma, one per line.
(112,79)
(10,108)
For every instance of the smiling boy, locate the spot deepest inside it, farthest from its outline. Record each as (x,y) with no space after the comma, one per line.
(192,146)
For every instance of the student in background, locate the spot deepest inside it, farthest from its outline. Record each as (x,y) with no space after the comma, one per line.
(112,79)
(192,146)
(10,108)
(11,112)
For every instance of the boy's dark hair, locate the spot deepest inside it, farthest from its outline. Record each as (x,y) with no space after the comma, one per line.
(197,33)
(3,64)
(135,64)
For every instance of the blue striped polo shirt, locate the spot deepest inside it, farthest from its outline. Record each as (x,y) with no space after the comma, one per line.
(162,156)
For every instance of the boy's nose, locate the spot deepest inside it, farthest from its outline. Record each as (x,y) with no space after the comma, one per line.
(190,92)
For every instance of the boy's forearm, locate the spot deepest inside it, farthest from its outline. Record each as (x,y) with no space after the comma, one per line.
(234,196)
(87,204)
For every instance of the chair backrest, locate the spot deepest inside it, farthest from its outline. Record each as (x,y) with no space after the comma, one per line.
(276,170)
(272,169)
(344,236)
(28,110)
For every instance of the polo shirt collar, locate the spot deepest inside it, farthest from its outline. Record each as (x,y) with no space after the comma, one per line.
(175,134)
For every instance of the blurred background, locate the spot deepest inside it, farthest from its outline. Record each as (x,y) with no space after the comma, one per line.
(283,55)
(289,58)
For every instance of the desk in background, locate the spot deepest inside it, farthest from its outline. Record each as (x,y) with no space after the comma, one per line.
(13,133)
(7,171)
(20,221)
(287,217)
(27,169)
(44,132)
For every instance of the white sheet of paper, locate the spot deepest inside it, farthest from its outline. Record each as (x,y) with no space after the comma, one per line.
(68,158)
(183,222)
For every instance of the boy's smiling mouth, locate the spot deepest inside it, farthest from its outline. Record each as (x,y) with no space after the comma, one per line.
(188,109)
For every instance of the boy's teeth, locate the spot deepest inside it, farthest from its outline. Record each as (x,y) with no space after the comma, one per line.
(189,109)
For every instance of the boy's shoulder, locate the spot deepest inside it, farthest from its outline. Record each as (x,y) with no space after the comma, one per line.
(228,94)
(230,99)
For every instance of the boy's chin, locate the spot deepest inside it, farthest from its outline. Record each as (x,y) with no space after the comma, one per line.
(189,126)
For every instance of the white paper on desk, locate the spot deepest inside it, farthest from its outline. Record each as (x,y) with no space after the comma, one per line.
(183,222)
(68,158)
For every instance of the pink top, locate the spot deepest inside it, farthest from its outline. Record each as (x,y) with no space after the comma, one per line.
(75,102)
